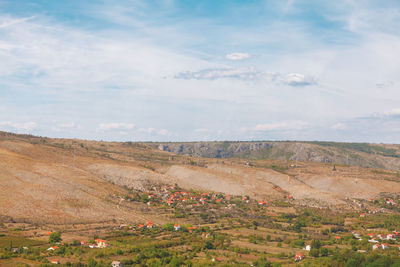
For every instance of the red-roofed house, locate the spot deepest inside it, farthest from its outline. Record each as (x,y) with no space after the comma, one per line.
(299,257)
(376,246)
(55,261)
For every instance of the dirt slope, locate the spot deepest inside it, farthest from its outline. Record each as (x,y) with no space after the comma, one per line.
(63,181)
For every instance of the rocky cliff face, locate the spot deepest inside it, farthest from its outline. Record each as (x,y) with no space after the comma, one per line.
(360,154)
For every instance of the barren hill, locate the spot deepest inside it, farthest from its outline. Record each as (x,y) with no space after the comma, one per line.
(63,181)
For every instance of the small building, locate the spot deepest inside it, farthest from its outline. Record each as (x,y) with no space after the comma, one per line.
(177,227)
(55,261)
(362,215)
(391,237)
(376,246)
(384,246)
(52,248)
(308,248)
(299,257)
(101,243)
(262,203)
(92,245)
(83,243)
(116,264)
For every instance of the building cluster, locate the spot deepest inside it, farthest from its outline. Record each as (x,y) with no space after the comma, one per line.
(98,243)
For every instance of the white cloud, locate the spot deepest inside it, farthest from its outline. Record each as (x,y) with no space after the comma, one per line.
(392,112)
(279,126)
(115,126)
(237,56)
(151,131)
(296,79)
(291,79)
(226,73)
(25,126)
(7,22)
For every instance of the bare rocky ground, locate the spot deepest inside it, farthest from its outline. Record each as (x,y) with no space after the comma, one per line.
(64,181)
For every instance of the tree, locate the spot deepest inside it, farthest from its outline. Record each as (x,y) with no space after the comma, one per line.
(55,237)
(314,252)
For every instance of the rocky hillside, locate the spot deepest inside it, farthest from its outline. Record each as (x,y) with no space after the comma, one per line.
(46,180)
(357,154)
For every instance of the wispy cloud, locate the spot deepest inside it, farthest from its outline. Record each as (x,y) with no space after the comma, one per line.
(8,22)
(296,79)
(158,65)
(237,56)
(291,79)
(17,126)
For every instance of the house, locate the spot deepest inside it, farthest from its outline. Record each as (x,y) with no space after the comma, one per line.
(262,202)
(177,227)
(299,257)
(15,250)
(356,235)
(376,246)
(191,229)
(205,235)
(116,264)
(83,243)
(52,248)
(101,243)
(149,224)
(362,215)
(384,246)
(373,240)
(92,245)
(308,248)
(391,237)
(390,201)
(290,198)
(216,259)
(337,238)
(55,261)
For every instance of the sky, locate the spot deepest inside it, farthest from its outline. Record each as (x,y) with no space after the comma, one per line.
(205,70)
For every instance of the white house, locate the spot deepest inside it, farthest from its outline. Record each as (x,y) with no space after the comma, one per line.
(376,246)
(116,264)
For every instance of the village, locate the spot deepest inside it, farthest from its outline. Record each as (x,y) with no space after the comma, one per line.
(211,229)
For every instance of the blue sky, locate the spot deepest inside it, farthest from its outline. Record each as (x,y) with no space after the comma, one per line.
(170,70)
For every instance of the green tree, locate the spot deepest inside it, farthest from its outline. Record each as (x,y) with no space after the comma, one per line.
(55,237)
